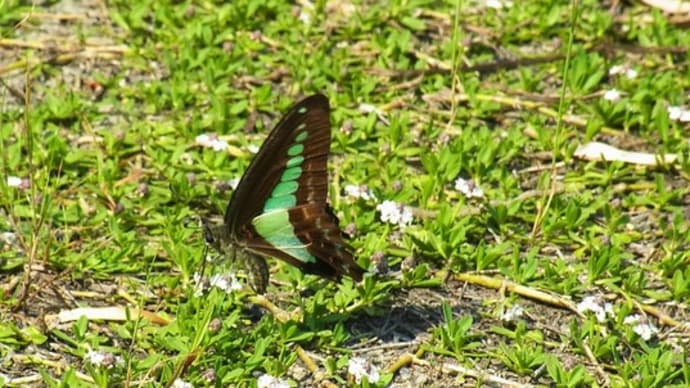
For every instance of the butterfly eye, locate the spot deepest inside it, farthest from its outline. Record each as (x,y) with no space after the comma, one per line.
(208,233)
(208,236)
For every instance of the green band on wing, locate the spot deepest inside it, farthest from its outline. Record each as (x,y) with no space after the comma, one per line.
(295,149)
(275,227)
(296,161)
(291,174)
(282,195)
(278,203)
(285,188)
(302,135)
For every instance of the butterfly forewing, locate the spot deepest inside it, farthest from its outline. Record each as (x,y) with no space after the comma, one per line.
(312,115)
(279,208)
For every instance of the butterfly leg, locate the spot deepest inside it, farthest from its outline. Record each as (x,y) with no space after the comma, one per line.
(257,270)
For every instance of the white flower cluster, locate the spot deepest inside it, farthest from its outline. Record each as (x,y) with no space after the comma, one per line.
(496,4)
(179,383)
(361,191)
(612,95)
(13,181)
(513,313)
(391,211)
(395,213)
(630,73)
(253,148)
(641,326)
(233,183)
(678,113)
(102,359)
(358,367)
(597,306)
(399,214)
(268,381)
(211,140)
(226,282)
(8,238)
(468,188)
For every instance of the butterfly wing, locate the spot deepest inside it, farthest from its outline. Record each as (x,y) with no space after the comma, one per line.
(279,208)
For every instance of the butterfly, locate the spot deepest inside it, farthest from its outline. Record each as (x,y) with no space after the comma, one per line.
(279,208)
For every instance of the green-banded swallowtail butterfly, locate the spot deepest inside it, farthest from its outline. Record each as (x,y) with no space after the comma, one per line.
(279,208)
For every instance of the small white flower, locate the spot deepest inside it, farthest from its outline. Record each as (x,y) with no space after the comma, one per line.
(226,282)
(595,305)
(616,69)
(468,188)
(646,330)
(102,359)
(205,139)
(306,11)
(179,383)
(233,183)
(622,69)
(358,368)
(612,95)
(95,357)
(268,381)
(395,213)
(630,319)
(13,181)
(220,281)
(235,285)
(684,116)
(220,145)
(253,148)
(496,4)
(608,309)
(199,284)
(678,113)
(9,238)
(211,140)
(361,191)
(513,313)
(368,108)
(305,16)
(674,112)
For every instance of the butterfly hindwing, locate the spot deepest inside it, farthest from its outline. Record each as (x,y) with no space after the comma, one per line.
(317,225)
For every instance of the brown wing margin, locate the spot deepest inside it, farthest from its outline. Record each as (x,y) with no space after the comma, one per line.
(318,229)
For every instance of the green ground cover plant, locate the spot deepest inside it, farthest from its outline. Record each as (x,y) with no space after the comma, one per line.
(513,178)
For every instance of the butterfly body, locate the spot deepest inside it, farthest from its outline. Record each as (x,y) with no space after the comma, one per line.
(279,208)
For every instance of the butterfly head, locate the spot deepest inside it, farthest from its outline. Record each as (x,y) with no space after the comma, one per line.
(213,234)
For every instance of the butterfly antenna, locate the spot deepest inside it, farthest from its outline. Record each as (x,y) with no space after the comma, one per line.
(204,230)
(203,260)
